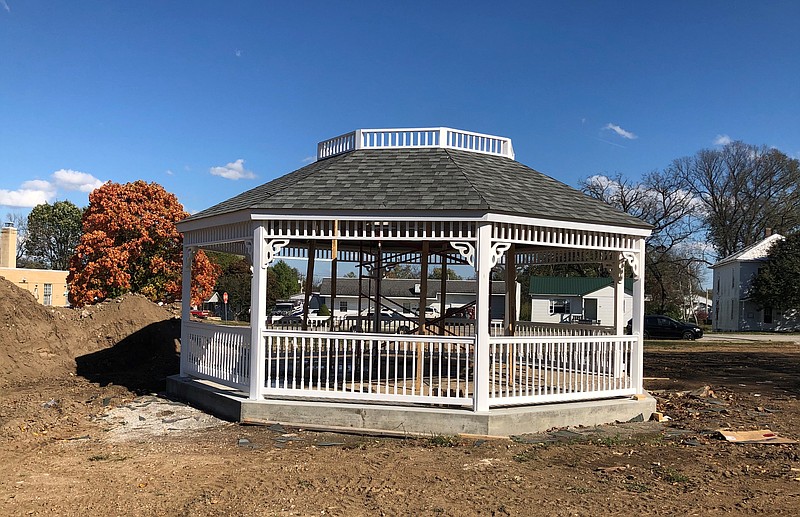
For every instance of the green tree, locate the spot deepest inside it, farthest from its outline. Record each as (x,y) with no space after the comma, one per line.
(235,279)
(53,233)
(436,274)
(777,283)
(287,280)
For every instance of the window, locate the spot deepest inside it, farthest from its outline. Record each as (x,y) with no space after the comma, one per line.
(767,314)
(343,306)
(559,307)
(48,294)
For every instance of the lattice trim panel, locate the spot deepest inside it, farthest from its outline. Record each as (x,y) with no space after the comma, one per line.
(563,237)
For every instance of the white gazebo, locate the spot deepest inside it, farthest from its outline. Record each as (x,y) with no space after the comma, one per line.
(423,196)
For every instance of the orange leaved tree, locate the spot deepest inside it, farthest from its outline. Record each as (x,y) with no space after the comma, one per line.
(130,244)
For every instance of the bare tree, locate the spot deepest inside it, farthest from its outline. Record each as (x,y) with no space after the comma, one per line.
(743,190)
(661,200)
(20,222)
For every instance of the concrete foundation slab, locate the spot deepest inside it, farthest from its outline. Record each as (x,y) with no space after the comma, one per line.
(405,420)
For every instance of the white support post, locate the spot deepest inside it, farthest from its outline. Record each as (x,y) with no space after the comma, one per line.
(258,312)
(483,271)
(618,274)
(637,326)
(186,304)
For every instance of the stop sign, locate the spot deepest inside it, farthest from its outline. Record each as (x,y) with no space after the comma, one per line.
(225,297)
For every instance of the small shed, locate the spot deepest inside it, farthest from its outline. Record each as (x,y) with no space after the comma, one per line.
(431,197)
(581,300)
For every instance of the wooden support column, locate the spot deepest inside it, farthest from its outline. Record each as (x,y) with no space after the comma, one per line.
(423,286)
(511,291)
(334,264)
(312,251)
(332,308)
(421,318)
(378,270)
(443,293)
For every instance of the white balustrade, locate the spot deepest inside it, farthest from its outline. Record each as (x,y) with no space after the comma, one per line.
(370,367)
(218,353)
(433,370)
(419,138)
(559,369)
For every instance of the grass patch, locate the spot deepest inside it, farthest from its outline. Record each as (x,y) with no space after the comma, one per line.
(671,475)
(444,440)
(638,488)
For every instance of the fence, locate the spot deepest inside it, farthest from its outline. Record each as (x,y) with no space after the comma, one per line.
(432,370)
(558,369)
(377,367)
(217,352)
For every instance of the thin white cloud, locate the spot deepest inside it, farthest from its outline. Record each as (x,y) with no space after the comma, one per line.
(25,197)
(5,5)
(68,179)
(610,143)
(308,159)
(233,171)
(237,52)
(169,172)
(722,140)
(621,132)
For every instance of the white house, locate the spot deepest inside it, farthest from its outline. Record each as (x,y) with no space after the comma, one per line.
(577,300)
(733,276)
(403,295)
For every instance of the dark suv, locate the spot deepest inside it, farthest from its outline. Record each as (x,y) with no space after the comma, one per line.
(661,327)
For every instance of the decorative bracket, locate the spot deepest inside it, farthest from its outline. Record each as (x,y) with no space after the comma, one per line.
(498,250)
(617,266)
(466,250)
(633,261)
(272,249)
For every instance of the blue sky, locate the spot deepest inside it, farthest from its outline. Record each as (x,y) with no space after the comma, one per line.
(173,92)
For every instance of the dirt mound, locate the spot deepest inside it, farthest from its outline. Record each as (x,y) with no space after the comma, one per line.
(40,342)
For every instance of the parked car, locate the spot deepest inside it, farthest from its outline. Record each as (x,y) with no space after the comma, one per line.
(197,313)
(663,327)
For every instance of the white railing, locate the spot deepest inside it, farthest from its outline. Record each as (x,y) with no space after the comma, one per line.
(534,329)
(559,369)
(419,138)
(370,367)
(433,370)
(218,353)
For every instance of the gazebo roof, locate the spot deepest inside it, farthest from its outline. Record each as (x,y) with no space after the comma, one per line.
(422,179)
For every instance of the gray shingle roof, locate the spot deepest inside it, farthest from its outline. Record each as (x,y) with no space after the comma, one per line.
(424,180)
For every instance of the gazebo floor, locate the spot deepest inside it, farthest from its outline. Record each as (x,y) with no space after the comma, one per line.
(405,419)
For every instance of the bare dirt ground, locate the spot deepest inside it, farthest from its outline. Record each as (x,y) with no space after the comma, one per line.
(81,434)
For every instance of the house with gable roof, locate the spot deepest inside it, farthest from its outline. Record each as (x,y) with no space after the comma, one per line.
(577,300)
(733,277)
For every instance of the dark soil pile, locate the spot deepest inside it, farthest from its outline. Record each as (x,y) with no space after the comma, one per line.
(128,340)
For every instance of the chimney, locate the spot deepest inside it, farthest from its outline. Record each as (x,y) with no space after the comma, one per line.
(767,232)
(8,246)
